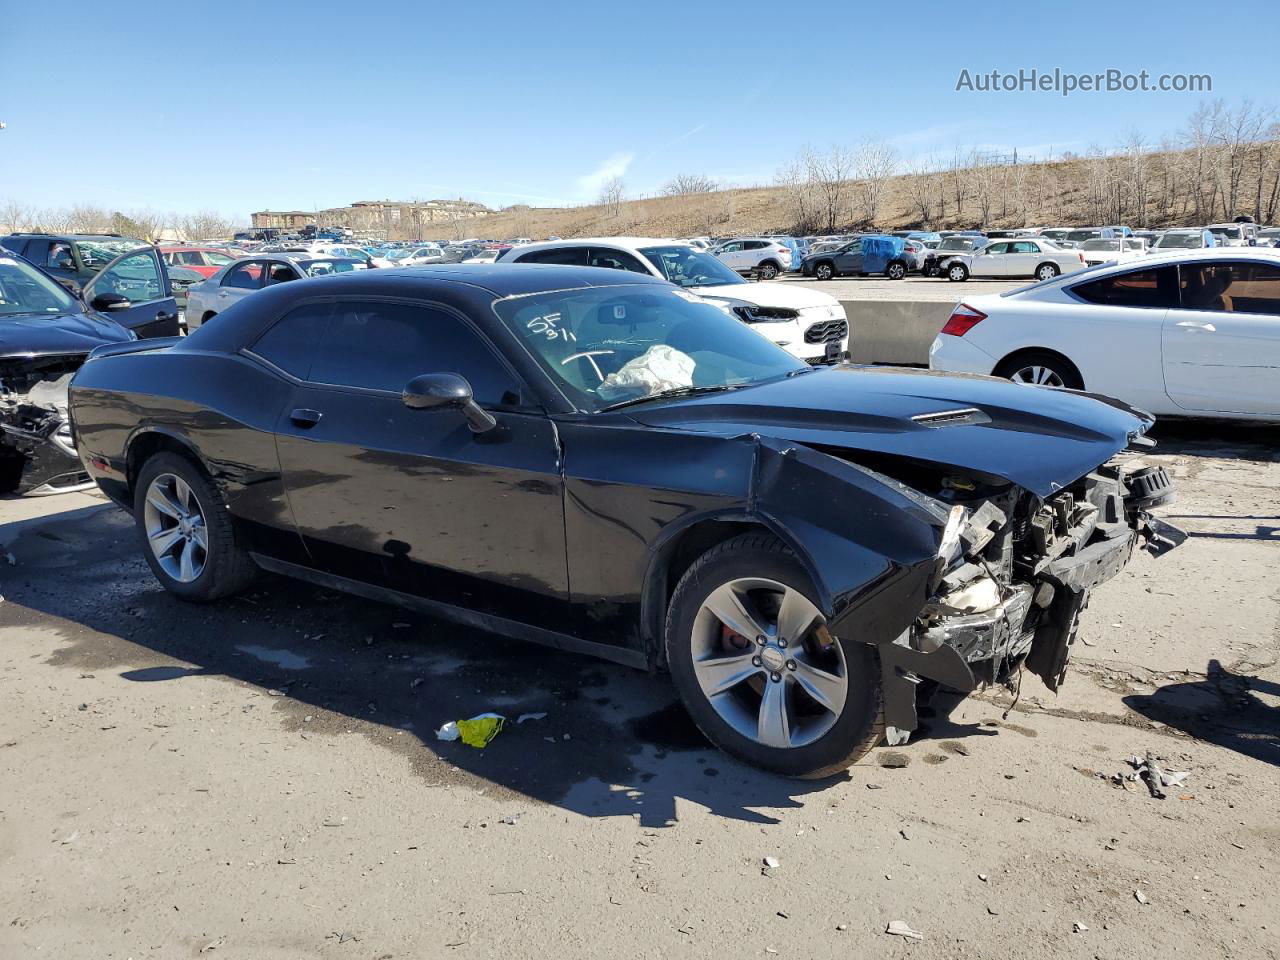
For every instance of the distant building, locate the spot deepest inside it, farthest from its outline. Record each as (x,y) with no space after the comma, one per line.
(283,219)
(376,216)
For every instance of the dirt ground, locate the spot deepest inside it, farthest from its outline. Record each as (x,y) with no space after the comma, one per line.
(260,778)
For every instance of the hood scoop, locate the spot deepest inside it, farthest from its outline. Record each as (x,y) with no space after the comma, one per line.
(963,416)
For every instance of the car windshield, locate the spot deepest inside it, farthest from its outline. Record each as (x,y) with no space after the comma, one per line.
(399,254)
(1101,245)
(1180,240)
(96,254)
(320,268)
(1230,233)
(1079,236)
(605,346)
(956,243)
(688,267)
(25,290)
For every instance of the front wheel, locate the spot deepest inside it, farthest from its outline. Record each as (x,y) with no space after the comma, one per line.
(186,532)
(957,272)
(824,271)
(767,271)
(757,669)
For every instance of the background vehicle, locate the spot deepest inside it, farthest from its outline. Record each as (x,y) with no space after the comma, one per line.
(70,258)
(1189,334)
(1042,259)
(206,261)
(755,256)
(1234,234)
(937,260)
(416,256)
(866,254)
(1185,240)
(1075,238)
(236,281)
(1109,251)
(45,335)
(808,324)
(484,256)
(715,547)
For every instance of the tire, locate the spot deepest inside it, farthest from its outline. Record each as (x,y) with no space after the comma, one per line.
(1047,271)
(767,270)
(1042,367)
(222,566)
(207,317)
(896,271)
(957,273)
(758,569)
(824,271)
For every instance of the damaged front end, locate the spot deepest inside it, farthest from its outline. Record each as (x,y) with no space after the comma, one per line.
(37,450)
(1014,571)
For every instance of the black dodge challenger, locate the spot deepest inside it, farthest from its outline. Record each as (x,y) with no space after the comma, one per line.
(605,463)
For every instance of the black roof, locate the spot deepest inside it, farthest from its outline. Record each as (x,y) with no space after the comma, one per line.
(499,279)
(77,236)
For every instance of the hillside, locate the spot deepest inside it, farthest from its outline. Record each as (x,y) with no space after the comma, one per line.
(1137,187)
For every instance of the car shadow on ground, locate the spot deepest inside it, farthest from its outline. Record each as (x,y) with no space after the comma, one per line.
(1223,709)
(614,741)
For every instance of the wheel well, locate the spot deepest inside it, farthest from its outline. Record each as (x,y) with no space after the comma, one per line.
(208,315)
(146,446)
(1018,356)
(674,558)
(769,262)
(825,263)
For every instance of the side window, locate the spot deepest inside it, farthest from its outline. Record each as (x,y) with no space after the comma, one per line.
(615,260)
(136,278)
(290,342)
(754,245)
(566,256)
(385,345)
(246,276)
(191,258)
(731,248)
(1138,288)
(1239,287)
(59,256)
(1026,246)
(218,259)
(997,248)
(281,273)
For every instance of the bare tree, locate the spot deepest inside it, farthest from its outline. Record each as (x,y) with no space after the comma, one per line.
(798,193)
(16,216)
(873,164)
(687,183)
(922,194)
(612,194)
(204,225)
(830,174)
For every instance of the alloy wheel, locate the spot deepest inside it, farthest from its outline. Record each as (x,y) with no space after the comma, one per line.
(766,663)
(175,526)
(1047,273)
(1040,375)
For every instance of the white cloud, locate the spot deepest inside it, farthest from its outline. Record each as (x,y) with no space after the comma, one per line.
(615,166)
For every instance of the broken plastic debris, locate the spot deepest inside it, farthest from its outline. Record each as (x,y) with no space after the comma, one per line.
(1078,927)
(1140,896)
(530,716)
(480,730)
(771,863)
(448,732)
(899,928)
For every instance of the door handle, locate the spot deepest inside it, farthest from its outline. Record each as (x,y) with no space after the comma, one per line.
(161,315)
(305,417)
(1197,325)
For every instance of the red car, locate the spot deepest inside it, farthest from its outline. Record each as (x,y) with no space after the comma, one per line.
(205,261)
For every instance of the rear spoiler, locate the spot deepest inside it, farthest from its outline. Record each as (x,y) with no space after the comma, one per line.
(134,346)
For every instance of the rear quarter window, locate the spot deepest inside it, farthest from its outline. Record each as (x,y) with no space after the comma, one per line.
(1138,288)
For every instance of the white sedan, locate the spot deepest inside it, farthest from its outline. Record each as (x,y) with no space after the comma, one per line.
(1024,257)
(1195,333)
(1113,251)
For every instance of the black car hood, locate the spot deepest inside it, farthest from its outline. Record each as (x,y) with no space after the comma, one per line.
(38,335)
(1039,438)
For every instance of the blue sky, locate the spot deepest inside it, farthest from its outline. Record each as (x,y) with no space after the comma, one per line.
(237,106)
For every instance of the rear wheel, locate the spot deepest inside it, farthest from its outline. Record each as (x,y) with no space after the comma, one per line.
(759,672)
(1047,271)
(895,271)
(1043,368)
(767,270)
(186,531)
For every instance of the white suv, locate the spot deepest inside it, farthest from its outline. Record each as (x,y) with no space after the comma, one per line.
(760,256)
(808,324)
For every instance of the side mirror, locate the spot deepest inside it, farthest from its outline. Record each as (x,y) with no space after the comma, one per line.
(105,302)
(433,391)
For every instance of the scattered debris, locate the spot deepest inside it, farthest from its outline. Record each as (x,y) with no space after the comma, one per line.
(213,944)
(530,716)
(899,928)
(1153,775)
(903,833)
(416,682)
(873,786)
(448,732)
(1140,897)
(1078,927)
(842,926)
(343,936)
(70,838)
(771,863)
(994,913)
(982,877)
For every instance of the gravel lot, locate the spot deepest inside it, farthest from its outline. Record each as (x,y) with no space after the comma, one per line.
(259,778)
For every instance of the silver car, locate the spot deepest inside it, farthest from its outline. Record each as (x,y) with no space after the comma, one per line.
(238,280)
